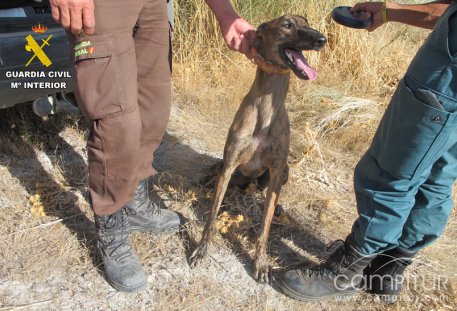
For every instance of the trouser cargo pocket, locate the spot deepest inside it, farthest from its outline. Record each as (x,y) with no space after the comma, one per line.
(97,76)
(409,135)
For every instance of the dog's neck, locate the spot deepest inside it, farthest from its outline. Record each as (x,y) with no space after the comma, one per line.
(268,91)
(270,78)
(268,94)
(267,66)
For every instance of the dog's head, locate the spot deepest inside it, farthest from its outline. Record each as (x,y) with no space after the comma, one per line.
(282,40)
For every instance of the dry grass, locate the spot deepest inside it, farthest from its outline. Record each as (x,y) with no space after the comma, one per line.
(48,261)
(47,255)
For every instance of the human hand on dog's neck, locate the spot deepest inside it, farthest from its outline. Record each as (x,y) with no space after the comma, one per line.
(237,32)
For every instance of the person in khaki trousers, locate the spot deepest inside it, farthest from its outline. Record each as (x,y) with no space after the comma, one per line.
(123,86)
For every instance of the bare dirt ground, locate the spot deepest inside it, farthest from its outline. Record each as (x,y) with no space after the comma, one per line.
(47,245)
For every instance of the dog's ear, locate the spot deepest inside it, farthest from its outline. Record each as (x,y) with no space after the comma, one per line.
(301,20)
(261,29)
(259,36)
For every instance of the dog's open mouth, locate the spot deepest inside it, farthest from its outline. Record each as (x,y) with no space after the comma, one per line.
(297,62)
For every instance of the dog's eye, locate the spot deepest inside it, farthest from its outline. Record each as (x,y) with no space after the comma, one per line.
(287,25)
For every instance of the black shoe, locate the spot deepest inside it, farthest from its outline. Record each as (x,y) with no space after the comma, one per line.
(341,274)
(123,269)
(384,275)
(146,213)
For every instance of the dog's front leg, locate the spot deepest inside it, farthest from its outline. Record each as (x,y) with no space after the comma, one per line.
(261,258)
(221,187)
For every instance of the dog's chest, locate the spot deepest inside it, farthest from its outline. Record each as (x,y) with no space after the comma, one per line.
(266,131)
(259,143)
(264,138)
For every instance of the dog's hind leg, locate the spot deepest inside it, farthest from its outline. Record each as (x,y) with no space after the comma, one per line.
(221,187)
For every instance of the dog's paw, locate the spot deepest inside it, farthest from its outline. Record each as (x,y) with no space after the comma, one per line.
(263,274)
(197,255)
(262,269)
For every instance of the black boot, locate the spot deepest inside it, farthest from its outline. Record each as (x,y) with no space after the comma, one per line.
(384,275)
(145,213)
(123,269)
(341,274)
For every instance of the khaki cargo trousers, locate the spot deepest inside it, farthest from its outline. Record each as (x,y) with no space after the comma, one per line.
(123,86)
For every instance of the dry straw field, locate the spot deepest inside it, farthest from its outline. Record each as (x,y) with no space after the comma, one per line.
(47,244)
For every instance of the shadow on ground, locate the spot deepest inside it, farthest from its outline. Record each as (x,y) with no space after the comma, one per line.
(22,133)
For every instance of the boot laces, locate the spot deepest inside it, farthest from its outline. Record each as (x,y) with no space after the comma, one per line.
(320,272)
(114,236)
(332,267)
(143,202)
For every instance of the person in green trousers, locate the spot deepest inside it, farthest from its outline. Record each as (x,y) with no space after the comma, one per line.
(403,183)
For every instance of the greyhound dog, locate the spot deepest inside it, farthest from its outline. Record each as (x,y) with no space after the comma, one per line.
(258,140)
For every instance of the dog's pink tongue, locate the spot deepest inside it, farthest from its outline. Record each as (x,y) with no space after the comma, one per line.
(303,66)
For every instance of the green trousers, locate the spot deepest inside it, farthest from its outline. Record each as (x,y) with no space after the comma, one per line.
(403,183)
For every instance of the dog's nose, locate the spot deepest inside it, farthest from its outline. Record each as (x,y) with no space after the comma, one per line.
(321,41)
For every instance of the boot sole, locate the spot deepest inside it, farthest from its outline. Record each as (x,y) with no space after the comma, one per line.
(293,294)
(124,289)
